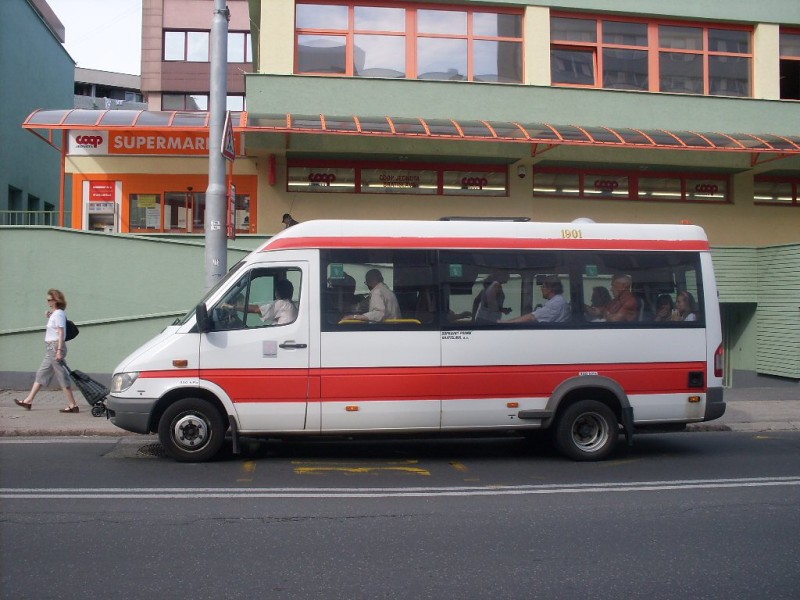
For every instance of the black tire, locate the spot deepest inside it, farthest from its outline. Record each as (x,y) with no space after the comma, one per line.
(98,410)
(586,430)
(191,430)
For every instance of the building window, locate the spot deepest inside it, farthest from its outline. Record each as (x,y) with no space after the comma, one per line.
(387,178)
(790,65)
(199,102)
(321,179)
(180,212)
(618,185)
(779,191)
(650,56)
(145,212)
(239,47)
(184,102)
(409,42)
(188,46)
(193,46)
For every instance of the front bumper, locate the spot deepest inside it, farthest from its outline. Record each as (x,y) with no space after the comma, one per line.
(130,414)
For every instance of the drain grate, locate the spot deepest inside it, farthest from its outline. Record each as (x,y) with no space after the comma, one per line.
(156,450)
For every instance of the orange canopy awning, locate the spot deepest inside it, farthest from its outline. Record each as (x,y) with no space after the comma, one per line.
(537,134)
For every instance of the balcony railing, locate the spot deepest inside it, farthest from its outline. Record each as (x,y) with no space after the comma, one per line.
(49,218)
(91,103)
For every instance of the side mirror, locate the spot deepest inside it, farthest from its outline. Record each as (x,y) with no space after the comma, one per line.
(203,322)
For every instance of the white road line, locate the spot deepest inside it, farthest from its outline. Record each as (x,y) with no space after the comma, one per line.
(522,490)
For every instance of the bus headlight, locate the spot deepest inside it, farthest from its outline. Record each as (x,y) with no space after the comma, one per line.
(122,381)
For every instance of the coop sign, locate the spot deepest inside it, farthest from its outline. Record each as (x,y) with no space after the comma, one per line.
(160,143)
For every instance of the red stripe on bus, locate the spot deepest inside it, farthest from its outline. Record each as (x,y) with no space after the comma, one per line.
(483,243)
(364,384)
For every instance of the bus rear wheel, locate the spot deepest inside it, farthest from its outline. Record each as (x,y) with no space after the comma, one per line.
(587,430)
(191,430)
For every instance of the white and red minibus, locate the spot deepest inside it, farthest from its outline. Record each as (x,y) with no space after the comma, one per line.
(294,342)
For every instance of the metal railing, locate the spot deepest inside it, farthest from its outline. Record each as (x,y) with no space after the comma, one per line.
(93,103)
(48,218)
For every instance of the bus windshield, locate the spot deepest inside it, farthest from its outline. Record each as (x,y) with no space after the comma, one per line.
(231,273)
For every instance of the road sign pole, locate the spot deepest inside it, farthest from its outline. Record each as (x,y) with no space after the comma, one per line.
(216,218)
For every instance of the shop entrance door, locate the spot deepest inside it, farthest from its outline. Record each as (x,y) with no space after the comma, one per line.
(184,212)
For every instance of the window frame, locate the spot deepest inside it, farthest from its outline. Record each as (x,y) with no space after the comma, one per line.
(634,178)
(359,166)
(241,199)
(791,59)
(207,96)
(653,49)
(331,316)
(249,321)
(410,33)
(452,275)
(793,181)
(247,51)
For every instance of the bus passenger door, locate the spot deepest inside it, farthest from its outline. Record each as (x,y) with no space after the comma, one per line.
(258,350)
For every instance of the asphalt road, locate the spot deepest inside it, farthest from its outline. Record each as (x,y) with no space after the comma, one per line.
(700,515)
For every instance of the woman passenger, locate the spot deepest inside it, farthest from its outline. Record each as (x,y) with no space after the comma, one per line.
(686,307)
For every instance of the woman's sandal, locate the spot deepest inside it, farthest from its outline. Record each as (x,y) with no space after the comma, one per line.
(70,409)
(25,405)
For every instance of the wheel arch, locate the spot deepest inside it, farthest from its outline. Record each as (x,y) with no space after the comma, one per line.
(176,394)
(590,387)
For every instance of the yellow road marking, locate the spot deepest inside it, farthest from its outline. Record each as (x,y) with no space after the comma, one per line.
(353,462)
(460,467)
(249,467)
(616,463)
(320,470)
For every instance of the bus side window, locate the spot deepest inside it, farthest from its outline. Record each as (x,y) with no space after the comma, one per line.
(654,279)
(273,297)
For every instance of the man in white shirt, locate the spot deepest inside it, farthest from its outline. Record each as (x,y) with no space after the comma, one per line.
(382,301)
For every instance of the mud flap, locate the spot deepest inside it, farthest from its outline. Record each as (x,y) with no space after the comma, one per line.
(234,436)
(627,424)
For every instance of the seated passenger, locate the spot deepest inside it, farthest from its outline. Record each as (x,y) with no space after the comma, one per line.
(343,295)
(600,299)
(555,309)
(686,307)
(664,306)
(488,305)
(624,307)
(382,301)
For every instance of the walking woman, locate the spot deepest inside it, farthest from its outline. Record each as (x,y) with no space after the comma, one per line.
(56,351)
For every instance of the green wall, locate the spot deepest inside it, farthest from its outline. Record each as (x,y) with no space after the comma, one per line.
(760,291)
(344,96)
(778,329)
(121,290)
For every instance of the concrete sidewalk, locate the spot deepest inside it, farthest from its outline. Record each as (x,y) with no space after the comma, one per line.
(751,409)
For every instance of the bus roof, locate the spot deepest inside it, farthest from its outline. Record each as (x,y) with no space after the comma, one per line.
(487,235)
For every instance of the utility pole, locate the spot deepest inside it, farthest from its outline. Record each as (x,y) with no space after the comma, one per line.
(216,217)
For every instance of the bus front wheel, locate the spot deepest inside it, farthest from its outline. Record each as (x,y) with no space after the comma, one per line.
(191,430)
(587,430)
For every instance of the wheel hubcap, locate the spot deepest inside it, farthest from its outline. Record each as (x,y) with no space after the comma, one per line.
(590,432)
(190,432)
